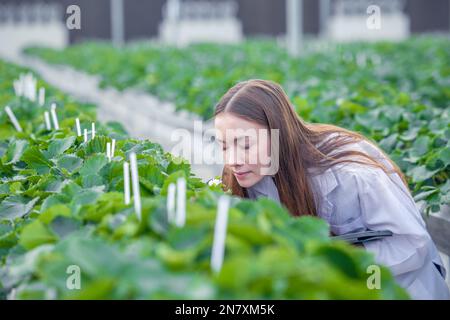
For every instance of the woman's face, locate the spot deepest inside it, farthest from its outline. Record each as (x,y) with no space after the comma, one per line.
(245,145)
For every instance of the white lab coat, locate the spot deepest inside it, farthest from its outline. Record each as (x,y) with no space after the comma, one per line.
(354,197)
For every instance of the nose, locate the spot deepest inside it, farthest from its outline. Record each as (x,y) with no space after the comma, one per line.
(234,157)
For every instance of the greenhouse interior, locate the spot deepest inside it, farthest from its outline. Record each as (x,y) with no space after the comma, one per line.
(198,151)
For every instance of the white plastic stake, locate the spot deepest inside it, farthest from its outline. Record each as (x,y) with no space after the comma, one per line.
(113,148)
(126,182)
(26,86)
(181,203)
(93,130)
(220,231)
(48,125)
(53,106)
(32,85)
(30,89)
(18,88)
(135,185)
(171,203)
(77,124)
(108,151)
(54,117)
(13,119)
(41,96)
(21,83)
(23,86)
(85,135)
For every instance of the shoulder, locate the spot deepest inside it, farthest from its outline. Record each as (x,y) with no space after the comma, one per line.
(337,196)
(342,176)
(348,174)
(357,175)
(342,192)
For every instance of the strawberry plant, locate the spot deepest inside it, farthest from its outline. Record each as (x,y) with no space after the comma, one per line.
(397,94)
(62,209)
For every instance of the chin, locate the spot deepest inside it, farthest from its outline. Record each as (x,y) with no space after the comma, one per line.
(249,181)
(246,184)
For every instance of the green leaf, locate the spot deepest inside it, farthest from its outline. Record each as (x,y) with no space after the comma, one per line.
(58,146)
(16,207)
(93,165)
(64,226)
(15,151)
(424,195)
(421,173)
(35,159)
(410,135)
(86,196)
(69,162)
(65,196)
(8,236)
(420,146)
(92,180)
(446,186)
(51,183)
(107,203)
(53,200)
(16,187)
(341,258)
(4,189)
(389,143)
(58,210)
(444,155)
(351,107)
(35,234)
(172,178)
(97,145)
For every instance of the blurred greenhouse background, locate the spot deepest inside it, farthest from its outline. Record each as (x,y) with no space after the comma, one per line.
(380,67)
(25,22)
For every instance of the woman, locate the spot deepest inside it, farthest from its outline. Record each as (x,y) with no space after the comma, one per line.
(325,171)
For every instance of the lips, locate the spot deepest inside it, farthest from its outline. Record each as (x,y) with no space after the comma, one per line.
(241,175)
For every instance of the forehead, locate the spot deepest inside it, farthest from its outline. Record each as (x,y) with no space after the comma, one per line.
(228,124)
(230,127)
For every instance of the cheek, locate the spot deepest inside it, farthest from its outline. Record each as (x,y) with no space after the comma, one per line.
(253,157)
(254,179)
(261,154)
(265,153)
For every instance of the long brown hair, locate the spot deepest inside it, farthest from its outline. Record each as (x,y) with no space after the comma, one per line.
(302,145)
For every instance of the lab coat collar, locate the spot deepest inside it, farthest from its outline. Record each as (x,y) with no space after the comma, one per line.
(265,187)
(325,181)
